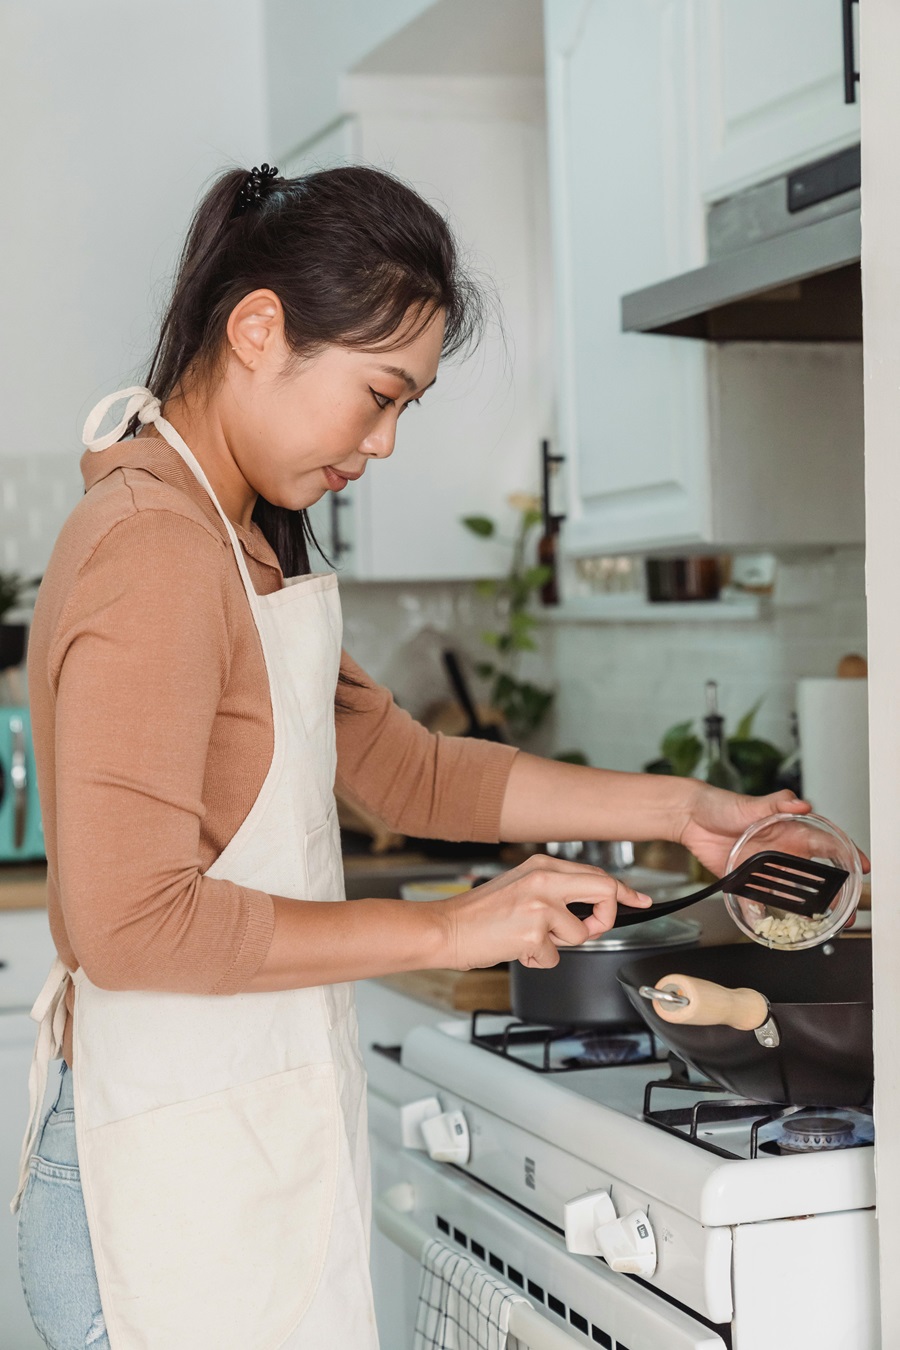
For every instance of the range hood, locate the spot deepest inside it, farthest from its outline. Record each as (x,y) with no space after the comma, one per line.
(784,265)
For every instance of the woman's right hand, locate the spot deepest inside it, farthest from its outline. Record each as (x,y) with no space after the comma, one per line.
(522,915)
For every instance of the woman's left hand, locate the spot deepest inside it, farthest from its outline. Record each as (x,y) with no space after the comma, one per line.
(715,819)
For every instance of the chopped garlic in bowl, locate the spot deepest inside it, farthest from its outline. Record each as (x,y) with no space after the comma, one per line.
(790,929)
(811,837)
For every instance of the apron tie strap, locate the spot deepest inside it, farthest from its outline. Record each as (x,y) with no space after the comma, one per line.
(141,404)
(49,1012)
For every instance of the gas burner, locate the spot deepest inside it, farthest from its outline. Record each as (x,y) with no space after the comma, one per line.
(751,1128)
(814,1131)
(545,1049)
(815,1134)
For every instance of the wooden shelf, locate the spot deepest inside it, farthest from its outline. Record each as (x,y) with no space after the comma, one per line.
(634,609)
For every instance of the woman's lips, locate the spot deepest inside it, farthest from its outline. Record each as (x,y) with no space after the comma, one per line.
(336,481)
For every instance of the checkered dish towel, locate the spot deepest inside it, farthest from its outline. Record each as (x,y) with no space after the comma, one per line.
(461,1306)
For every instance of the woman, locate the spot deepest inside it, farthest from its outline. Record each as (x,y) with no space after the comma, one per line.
(202,1181)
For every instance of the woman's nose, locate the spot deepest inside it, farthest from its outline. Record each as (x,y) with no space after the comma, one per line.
(379,444)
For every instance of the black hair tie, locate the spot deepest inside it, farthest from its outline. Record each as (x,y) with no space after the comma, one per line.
(256,187)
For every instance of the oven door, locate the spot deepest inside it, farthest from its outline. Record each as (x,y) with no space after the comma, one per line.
(574,1301)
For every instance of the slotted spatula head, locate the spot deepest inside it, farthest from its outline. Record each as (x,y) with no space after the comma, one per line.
(783,881)
(778,880)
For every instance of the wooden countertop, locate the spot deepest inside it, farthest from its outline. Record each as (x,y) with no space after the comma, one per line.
(23,887)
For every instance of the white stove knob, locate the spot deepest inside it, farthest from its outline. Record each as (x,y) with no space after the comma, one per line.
(628,1245)
(592,1229)
(412,1114)
(447,1137)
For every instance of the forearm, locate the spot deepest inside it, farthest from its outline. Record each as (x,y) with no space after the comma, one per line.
(328,942)
(548,800)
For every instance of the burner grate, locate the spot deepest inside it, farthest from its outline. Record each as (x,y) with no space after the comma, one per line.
(686,1122)
(563,1049)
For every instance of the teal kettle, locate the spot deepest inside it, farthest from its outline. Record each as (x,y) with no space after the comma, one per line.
(21,834)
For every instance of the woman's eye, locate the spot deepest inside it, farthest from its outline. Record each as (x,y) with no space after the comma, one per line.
(381,399)
(412,401)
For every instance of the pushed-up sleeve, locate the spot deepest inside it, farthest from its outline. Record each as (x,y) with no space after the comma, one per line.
(139,660)
(419,783)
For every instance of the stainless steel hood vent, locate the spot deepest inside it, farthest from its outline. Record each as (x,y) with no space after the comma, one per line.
(784,265)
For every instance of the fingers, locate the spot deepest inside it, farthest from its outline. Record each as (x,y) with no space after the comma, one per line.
(787,802)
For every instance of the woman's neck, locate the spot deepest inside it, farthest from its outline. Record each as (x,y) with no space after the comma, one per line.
(195,415)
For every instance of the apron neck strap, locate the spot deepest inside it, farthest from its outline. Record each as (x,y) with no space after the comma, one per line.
(144,405)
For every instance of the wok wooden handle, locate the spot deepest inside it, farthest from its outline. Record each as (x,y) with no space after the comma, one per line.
(711,1004)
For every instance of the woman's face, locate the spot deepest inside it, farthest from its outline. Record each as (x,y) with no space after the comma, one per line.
(299,429)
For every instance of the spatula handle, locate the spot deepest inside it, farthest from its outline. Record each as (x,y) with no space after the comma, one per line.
(627,917)
(711,1005)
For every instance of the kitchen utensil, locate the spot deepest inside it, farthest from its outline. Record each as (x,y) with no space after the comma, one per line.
(814,1047)
(797,885)
(476,727)
(582,990)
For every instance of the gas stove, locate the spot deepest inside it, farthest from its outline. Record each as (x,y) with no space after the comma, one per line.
(755,1221)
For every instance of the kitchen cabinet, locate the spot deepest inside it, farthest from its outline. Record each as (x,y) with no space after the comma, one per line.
(672,442)
(475,147)
(626,212)
(771,76)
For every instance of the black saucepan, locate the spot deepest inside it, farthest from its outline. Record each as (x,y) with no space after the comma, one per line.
(819,1003)
(583,989)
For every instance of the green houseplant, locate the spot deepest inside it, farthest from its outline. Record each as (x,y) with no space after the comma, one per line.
(524,704)
(13,588)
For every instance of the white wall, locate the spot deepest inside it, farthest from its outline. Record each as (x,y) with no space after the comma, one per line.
(114,114)
(309,45)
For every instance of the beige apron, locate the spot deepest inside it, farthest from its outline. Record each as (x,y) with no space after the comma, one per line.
(222,1140)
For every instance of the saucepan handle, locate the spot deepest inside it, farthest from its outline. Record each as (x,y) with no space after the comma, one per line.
(700,1003)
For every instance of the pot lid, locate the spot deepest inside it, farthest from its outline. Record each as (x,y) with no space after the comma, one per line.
(664,932)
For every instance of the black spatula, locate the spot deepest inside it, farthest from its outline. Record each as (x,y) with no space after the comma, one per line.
(780,880)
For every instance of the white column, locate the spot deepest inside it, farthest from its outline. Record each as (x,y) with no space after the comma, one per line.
(880,92)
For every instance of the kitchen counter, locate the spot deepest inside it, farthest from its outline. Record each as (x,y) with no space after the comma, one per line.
(23,886)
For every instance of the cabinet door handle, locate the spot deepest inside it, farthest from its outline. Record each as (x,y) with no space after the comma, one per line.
(19,777)
(339,546)
(851,74)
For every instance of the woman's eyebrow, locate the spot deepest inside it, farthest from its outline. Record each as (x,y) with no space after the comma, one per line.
(405,376)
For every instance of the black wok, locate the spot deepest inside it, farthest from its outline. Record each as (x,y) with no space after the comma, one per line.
(821,1004)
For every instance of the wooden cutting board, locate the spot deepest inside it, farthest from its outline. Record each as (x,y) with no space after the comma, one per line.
(455,990)
(23,887)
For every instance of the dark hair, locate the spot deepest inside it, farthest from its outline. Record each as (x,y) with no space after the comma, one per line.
(355,257)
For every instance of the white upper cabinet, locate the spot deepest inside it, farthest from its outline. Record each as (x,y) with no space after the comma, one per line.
(772,73)
(626,212)
(476,148)
(673,442)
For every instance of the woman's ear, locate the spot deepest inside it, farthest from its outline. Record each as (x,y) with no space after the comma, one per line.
(255,328)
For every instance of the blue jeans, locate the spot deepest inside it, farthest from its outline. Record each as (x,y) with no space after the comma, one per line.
(55,1258)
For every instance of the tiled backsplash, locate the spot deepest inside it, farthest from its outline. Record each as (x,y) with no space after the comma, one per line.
(37,492)
(622,685)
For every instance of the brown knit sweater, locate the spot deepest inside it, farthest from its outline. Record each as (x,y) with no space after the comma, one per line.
(153,735)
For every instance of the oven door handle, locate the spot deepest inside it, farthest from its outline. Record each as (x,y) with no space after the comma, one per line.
(391,1213)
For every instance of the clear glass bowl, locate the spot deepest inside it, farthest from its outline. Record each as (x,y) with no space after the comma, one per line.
(811,837)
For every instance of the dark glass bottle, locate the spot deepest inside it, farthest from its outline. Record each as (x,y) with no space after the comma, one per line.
(716,768)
